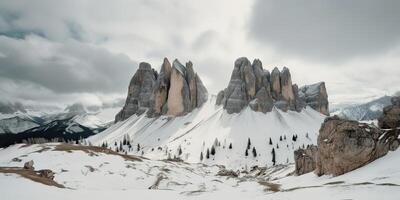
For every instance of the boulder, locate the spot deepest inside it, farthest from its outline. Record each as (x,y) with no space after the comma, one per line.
(46,173)
(390,118)
(139,92)
(316,97)
(344,145)
(305,159)
(29,165)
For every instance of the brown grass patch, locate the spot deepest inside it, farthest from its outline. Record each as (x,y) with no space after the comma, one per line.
(31,175)
(270,186)
(94,149)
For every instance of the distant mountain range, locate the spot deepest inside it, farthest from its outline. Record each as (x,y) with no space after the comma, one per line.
(363,111)
(21,124)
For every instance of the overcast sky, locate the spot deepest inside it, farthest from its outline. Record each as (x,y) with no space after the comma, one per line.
(60,52)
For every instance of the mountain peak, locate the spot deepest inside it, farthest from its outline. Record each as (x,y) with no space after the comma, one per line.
(261,90)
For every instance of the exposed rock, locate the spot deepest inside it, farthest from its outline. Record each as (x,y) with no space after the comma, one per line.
(298,102)
(390,118)
(305,159)
(396,100)
(251,85)
(345,145)
(176,90)
(139,92)
(29,165)
(161,88)
(191,80)
(287,88)
(220,97)
(46,173)
(236,101)
(263,101)
(202,93)
(228,173)
(178,95)
(316,97)
(276,83)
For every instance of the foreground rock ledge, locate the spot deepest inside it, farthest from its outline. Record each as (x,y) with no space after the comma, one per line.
(344,145)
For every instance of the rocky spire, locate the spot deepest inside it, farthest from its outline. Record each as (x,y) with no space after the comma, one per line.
(139,92)
(176,90)
(251,85)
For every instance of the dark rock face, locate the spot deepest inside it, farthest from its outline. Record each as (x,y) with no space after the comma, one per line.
(251,85)
(46,173)
(316,97)
(176,90)
(345,145)
(390,118)
(305,159)
(139,92)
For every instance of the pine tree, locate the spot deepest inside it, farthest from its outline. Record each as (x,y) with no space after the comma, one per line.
(208,154)
(201,156)
(270,141)
(246,153)
(280,138)
(273,156)
(254,152)
(138,147)
(230,146)
(277,146)
(284,137)
(212,150)
(179,150)
(307,135)
(248,143)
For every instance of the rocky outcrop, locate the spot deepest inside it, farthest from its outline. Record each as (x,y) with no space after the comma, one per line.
(139,92)
(29,165)
(316,97)
(305,159)
(390,118)
(175,90)
(344,145)
(251,85)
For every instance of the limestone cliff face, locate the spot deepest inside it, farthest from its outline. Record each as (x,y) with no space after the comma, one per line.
(251,85)
(316,97)
(139,92)
(175,90)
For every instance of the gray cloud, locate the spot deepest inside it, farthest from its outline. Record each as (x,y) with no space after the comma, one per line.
(327,30)
(69,67)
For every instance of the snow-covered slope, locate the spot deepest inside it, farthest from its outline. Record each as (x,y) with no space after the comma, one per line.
(209,126)
(18,122)
(89,173)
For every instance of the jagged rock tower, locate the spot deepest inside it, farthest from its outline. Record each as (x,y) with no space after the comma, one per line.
(251,85)
(176,90)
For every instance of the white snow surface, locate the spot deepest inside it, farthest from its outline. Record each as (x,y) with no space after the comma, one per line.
(105,176)
(195,132)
